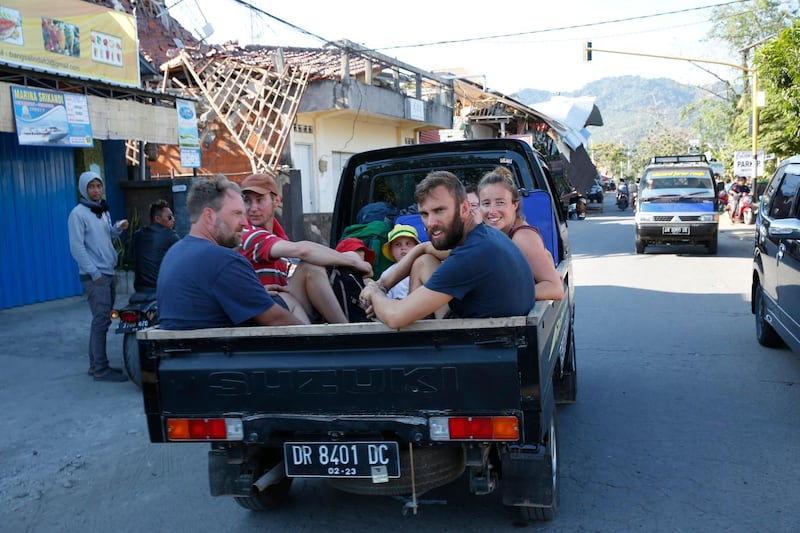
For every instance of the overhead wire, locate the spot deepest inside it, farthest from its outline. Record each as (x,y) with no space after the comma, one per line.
(322,39)
(562,28)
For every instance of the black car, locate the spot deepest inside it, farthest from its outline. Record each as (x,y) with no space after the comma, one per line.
(776,261)
(596,193)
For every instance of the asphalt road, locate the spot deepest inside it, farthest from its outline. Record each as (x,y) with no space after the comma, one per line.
(683,422)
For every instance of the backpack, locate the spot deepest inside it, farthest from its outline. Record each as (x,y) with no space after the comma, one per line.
(374,235)
(347,284)
(376,211)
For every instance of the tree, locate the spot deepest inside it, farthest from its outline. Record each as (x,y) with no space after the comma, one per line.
(778,64)
(661,141)
(608,156)
(713,122)
(741,26)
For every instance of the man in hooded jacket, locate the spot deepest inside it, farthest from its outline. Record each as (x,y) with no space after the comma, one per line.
(91,235)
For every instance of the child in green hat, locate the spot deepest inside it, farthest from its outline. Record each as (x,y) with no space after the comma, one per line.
(400,240)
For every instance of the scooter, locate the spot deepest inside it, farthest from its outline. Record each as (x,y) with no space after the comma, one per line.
(622,201)
(580,207)
(744,209)
(576,206)
(722,198)
(140,313)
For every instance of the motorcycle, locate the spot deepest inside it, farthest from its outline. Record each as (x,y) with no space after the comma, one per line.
(722,198)
(622,201)
(743,204)
(575,205)
(140,313)
(580,207)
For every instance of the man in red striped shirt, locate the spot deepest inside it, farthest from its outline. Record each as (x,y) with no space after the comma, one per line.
(266,245)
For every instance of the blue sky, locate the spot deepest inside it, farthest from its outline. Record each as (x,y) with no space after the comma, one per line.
(547,60)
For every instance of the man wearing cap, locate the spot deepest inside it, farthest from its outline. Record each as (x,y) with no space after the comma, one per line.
(401,239)
(91,235)
(265,244)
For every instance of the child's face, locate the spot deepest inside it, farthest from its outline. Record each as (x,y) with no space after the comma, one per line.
(475,207)
(400,247)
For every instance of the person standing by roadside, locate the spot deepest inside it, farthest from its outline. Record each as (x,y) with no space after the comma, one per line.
(91,235)
(150,243)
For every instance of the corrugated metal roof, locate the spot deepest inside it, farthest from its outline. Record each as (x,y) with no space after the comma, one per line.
(37,192)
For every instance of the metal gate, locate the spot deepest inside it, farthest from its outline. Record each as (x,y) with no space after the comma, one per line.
(37,192)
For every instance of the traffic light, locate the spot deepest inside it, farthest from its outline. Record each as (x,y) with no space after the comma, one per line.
(587,51)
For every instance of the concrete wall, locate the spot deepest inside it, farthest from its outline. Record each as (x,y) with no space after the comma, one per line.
(341,119)
(326,95)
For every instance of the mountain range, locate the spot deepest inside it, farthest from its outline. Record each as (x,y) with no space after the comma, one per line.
(631,106)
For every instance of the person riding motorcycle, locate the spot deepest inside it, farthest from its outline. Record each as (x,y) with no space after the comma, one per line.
(623,197)
(738,189)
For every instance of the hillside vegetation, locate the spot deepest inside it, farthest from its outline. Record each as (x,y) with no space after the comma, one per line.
(631,106)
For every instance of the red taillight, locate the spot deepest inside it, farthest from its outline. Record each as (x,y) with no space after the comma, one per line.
(470,428)
(130,316)
(475,428)
(204,429)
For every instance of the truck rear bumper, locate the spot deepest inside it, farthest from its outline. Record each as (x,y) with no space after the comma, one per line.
(276,428)
(675,233)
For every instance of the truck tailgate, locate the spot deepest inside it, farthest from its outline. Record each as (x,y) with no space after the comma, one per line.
(327,369)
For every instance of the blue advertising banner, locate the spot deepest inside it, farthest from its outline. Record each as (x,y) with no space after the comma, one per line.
(51,118)
(188,138)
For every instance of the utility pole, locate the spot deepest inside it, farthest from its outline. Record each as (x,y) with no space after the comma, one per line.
(754,107)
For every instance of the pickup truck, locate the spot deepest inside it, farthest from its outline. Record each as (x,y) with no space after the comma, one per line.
(378,411)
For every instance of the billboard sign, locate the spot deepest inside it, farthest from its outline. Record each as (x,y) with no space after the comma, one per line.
(188,138)
(51,118)
(743,163)
(70,37)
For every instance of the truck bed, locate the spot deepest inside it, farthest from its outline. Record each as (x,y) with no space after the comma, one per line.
(281,374)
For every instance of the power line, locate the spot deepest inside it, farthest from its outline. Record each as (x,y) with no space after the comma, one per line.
(323,40)
(257,9)
(561,28)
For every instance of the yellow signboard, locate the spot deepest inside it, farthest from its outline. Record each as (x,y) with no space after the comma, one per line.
(70,37)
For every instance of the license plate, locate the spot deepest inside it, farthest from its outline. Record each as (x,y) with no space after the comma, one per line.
(130,327)
(675,230)
(376,460)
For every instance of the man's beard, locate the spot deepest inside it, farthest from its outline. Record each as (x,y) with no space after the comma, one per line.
(452,234)
(225,236)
